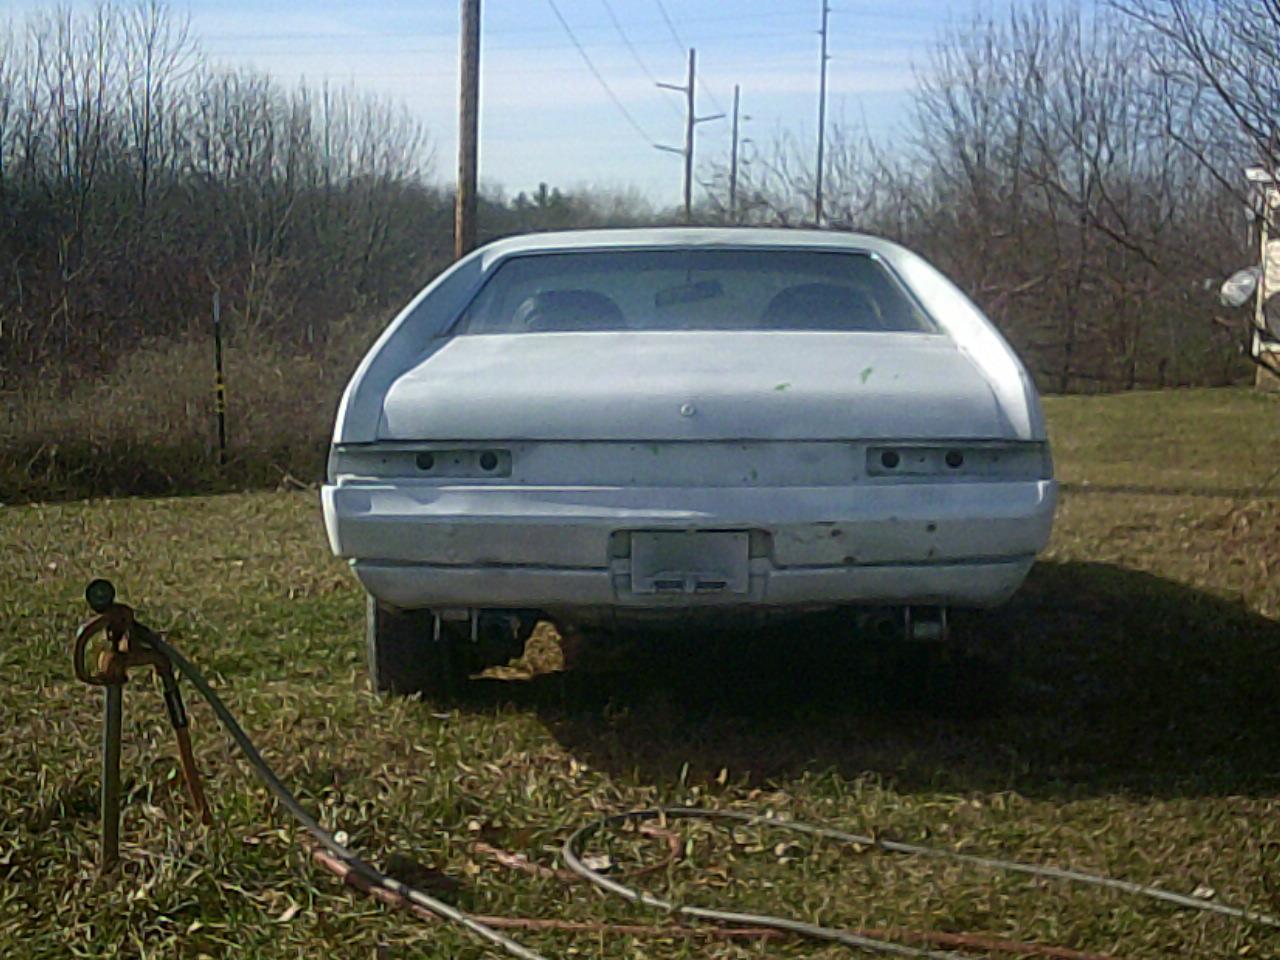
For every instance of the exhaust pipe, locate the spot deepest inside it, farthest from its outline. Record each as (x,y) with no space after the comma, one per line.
(906,625)
(926,624)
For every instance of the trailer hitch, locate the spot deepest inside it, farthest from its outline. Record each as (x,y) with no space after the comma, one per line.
(128,646)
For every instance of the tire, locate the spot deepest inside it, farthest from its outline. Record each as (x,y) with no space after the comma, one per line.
(404,657)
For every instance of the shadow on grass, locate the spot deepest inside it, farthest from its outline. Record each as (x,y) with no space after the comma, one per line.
(1095,678)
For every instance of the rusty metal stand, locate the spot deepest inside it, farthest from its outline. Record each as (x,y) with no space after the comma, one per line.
(129,645)
(114,698)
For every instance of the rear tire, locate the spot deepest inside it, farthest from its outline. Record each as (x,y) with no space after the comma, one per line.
(404,656)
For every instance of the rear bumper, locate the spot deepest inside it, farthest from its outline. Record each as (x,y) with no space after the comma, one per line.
(423,585)
(420,545)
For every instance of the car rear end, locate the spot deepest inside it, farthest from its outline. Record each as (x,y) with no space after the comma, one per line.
(545,452)
(602,529)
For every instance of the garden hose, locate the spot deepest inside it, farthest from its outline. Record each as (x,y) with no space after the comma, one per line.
(360,867)
(572,852)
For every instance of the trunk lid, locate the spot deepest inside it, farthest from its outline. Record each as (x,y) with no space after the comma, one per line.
(697,385)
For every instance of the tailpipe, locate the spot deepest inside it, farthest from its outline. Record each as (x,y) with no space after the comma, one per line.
(926,624)
(909,624)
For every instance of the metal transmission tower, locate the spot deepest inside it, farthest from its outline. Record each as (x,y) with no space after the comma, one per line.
(691,120)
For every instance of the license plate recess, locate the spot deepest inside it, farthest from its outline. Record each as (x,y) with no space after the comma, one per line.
(690,562)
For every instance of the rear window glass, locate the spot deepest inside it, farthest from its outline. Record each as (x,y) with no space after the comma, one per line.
(692,290)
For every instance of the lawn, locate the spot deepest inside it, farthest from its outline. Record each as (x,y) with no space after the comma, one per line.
(1134,734)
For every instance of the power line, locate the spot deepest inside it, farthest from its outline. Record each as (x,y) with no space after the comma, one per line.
(622,34)
(897,15)
(600,77)
(280,48)
(508,31)
(675,34)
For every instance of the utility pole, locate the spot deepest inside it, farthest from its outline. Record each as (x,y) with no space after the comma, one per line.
(733,161)
(822,118)
(464,226)
(691,120)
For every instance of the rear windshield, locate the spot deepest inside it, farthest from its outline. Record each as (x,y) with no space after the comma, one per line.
(692,290)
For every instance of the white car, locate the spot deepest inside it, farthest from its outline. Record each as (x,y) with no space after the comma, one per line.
(619,427)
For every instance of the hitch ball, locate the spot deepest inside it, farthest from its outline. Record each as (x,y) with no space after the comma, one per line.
(101,594)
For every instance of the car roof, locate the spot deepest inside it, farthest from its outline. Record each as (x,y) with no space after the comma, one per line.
(667,237)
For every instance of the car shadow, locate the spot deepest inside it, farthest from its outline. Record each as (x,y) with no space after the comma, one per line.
(1095,678)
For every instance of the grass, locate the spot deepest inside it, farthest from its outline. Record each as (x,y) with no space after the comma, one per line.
(1194,440)
(147,426)
(1134,735)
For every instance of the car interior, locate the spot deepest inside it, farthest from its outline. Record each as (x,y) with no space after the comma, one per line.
(806,306)
(568,310)
(665,290)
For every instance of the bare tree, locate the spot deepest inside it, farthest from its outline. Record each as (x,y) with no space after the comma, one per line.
(1221,60)
(1040,174)
(158,55)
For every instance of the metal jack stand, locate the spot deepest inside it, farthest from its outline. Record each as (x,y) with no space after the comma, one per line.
(128,645)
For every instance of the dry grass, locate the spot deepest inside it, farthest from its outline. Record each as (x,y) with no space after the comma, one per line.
(148,427)
(1135,734)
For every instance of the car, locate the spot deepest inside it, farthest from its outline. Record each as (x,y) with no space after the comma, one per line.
(619,429)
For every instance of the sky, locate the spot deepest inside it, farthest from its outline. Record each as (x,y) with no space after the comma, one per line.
(546,118)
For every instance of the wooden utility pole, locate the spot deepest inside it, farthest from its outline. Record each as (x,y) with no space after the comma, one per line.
(464,227)
(822,118)
(691,120)
(733,161)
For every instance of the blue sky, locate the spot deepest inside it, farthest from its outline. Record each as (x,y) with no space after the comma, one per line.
(544,117)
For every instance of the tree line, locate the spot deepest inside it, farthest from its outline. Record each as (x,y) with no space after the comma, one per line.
(1076,169)
(136,178)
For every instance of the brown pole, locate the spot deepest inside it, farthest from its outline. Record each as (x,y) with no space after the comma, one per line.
(822,119)
(690,120)
(464,231)
(733,161)
(111,776)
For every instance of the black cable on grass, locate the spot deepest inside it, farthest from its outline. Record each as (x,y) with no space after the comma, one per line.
(573,846)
